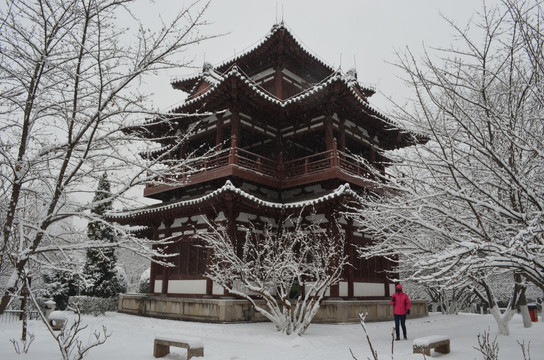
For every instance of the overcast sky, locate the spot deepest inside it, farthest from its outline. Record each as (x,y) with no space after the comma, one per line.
(346,33)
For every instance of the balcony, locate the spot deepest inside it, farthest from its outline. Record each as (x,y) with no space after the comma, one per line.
(236,162)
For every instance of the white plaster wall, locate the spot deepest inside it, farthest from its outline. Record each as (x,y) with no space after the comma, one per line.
(368,289)
(269,220)
(200,219)
(220,217)
(246,217)
(217,289)
(179,221)
(343,288)
(187,286)
(391,289)
(158,286)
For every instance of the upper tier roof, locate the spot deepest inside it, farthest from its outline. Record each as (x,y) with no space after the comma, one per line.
(337,88)
(279,45)
(328,90)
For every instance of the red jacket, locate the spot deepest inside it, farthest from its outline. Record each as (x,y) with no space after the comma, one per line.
(400,302)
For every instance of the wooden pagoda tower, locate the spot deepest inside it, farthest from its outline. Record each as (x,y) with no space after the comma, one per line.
(283,127)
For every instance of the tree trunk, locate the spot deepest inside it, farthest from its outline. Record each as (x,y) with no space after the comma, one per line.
(502,319)
(24,313)
(522,302)
(524,309)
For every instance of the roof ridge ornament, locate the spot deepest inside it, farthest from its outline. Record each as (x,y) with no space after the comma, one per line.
(352,73)
(235,69)
(207,67)
(278,26)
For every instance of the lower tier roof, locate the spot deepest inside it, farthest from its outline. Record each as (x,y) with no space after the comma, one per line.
(133,216)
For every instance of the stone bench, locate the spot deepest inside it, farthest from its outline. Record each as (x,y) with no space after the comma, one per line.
(161,348)
(439,343)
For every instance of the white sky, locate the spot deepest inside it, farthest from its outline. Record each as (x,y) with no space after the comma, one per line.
(340,32)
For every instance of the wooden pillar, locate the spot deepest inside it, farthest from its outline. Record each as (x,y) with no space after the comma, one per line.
(234,133)
(350,251)
(231,214)
(183,150)
(329,135)
(342,137)
(233,146)
(210,219)
(235,127)
(372,159)
(153,271)
(335,161)
(166,270)
(235,112)
(334,232)
(219,133)
(165,276)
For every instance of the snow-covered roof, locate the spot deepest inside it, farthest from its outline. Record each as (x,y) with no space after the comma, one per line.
(229,187)
(275,28)
(152,153)
(336,76)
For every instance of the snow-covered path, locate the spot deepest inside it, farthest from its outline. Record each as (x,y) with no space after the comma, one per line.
(132,338)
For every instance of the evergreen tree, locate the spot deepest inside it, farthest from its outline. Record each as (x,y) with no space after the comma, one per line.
(60,284)
(100,268)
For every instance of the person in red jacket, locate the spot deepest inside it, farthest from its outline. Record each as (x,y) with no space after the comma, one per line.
(401,307)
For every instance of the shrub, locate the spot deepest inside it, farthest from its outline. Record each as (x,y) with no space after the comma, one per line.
(93,305)
(143,287)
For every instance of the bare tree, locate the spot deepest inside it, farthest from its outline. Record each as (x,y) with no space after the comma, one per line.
(468,205)
(290,267)
(70,71)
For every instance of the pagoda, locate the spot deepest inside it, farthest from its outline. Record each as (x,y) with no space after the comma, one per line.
(282,132)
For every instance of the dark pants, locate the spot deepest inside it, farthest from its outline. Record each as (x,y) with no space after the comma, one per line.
(402,320)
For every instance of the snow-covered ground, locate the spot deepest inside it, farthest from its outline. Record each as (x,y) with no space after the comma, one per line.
(132,338)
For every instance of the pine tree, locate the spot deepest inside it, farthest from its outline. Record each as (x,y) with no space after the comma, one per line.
(100,268)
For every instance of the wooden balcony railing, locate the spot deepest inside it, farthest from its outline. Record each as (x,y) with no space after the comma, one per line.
(328,164)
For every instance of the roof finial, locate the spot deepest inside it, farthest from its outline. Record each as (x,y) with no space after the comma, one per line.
(207,67)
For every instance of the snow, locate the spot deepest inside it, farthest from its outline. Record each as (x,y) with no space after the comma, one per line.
(58,315)
(132,338)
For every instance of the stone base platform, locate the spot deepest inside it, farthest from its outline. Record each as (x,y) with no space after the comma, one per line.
(227,310)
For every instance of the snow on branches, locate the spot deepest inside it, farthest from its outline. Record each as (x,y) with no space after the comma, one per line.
(290,267)
(467,205)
